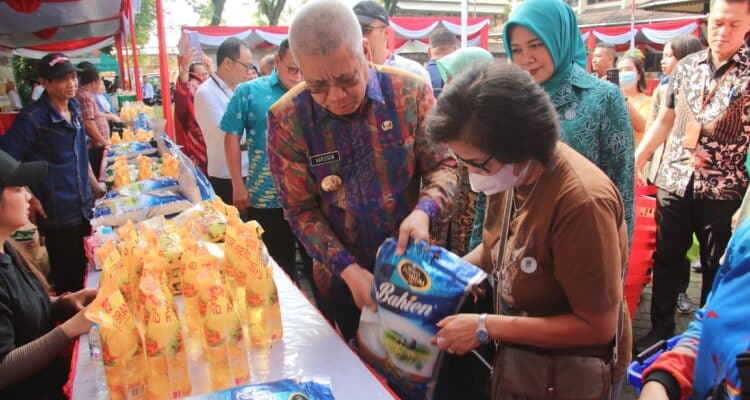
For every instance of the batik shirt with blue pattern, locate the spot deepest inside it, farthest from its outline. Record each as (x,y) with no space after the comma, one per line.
(246,114)
(384,159)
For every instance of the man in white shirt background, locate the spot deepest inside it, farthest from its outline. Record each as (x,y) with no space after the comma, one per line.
(37,91)
(373,19)
(233,60)
(148,92)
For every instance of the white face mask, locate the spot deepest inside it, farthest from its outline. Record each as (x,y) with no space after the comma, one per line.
(628,79)
(499,182)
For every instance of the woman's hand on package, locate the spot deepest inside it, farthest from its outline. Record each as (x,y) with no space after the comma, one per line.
(415,226)
(458,333)
(77,325)
(73,303)
(361,283)
(654,391)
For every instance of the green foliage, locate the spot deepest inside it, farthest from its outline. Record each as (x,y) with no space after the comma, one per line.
(390,6)
(271,10)
(24,70)
(209,11)
(145,22)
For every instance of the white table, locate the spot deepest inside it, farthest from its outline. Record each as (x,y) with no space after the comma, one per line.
(310,349)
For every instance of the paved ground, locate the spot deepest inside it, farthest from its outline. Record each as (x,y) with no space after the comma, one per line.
(642,320)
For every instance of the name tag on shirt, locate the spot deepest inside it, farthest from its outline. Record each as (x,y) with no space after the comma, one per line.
(325,158)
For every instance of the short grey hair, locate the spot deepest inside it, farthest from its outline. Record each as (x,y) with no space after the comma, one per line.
(323,26)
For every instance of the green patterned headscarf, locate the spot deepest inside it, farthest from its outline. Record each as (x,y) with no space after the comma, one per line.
(453,64)
(555,24)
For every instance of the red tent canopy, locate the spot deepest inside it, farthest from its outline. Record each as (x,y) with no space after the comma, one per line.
(412,33)
(210,37)
(32,28)
(648,35)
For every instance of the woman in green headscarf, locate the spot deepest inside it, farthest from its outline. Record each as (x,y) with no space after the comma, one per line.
(542,37)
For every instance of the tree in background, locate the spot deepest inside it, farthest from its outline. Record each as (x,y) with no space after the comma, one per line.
(209,12)
(271,10)
(145,22)
(390,6)
(24,72)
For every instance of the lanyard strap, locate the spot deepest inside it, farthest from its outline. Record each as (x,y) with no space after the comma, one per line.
(704,100)
(221,88)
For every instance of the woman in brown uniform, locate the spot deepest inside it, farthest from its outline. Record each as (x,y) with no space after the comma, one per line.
(555,241)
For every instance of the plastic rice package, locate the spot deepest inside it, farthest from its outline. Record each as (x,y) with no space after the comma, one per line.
(165,350)
(122,347)
(209,223)
(413,292)
(286,389)
(117,211)
(145,168)
(128,149)
(143,187)
(222,332)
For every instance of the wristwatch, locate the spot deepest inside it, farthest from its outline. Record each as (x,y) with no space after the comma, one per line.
(482,335)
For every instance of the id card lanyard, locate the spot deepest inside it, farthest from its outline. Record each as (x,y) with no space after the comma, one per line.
(694,127)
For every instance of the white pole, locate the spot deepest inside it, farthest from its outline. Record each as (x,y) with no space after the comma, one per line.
(464,22)
(632,23)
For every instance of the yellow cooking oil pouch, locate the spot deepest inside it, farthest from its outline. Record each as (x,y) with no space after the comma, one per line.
(122,348)
(165,350)
(222,330)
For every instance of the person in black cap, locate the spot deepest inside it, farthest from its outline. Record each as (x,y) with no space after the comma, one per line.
(51,130)
(30,344)
(373,19)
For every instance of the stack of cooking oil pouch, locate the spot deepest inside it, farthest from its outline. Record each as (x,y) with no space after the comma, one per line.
(229,302)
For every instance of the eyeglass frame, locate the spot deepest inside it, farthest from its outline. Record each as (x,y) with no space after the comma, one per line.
(482,165)
(345,87)
(248,67)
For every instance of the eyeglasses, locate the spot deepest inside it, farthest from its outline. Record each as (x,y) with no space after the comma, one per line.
(344,83)
(248,67)
(482,165)
(366,29)
(293,70)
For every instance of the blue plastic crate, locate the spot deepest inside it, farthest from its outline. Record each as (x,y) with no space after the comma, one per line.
(636,368)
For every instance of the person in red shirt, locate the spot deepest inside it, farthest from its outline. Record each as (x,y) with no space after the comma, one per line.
(187,131)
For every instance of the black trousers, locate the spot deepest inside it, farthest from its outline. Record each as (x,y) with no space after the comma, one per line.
(66,256)
(677,218)
(223,189)
(282,243)
(278,237)
(96,156)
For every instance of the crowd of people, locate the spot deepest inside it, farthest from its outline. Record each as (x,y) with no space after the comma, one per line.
(526,168)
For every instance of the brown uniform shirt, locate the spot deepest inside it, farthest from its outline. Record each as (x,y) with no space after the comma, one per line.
(567,247)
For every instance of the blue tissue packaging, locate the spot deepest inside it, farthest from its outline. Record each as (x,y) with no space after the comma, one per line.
(413,292)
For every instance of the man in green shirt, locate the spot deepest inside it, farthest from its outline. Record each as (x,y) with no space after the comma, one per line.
(246,115)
